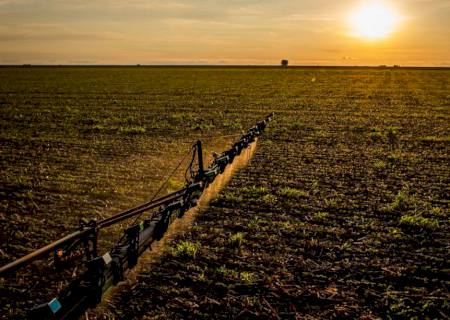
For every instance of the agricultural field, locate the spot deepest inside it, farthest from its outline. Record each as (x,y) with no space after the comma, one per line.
(343,211)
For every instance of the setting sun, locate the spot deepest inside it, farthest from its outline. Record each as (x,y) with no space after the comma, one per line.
(373,21)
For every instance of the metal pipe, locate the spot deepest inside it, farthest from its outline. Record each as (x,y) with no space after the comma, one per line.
(139,209)
(14,265)
(42,251)
(116,218)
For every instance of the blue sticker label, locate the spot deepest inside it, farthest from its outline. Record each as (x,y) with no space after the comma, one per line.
(54,305)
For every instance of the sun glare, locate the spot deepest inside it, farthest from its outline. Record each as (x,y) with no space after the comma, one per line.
(373,21)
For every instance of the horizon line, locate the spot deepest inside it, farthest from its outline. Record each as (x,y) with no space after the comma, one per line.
(381,66)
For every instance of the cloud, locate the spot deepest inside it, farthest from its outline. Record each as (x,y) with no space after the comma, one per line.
(52,32)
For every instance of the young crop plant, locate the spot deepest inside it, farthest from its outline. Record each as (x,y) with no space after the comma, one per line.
(358,128)
(132,130)
(402,202)
(437,212)
(435,139)
(227,273)
(253,224)
(321,216)
(379,165)
(256,192)
(247,277)
(159,125)
(419,222)
(236,239)
(226,197)
(396,233)
(287,226)
(269,199)
(186,249)
(104,128)
(232,124)
(331,203)
(201,124)
(265,142)
(293,193)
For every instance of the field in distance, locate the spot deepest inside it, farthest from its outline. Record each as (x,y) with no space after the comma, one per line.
(359,149)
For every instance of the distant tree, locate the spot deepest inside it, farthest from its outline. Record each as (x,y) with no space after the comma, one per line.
(284,63)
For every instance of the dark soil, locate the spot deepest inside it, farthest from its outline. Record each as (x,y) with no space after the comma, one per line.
(343,212)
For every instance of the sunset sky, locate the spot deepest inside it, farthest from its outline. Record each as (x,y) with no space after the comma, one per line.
(307,32)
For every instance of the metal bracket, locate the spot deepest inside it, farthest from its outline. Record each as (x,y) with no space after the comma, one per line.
(162,224)
(86,245)
(133,244)
(97,278)
(117,268)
